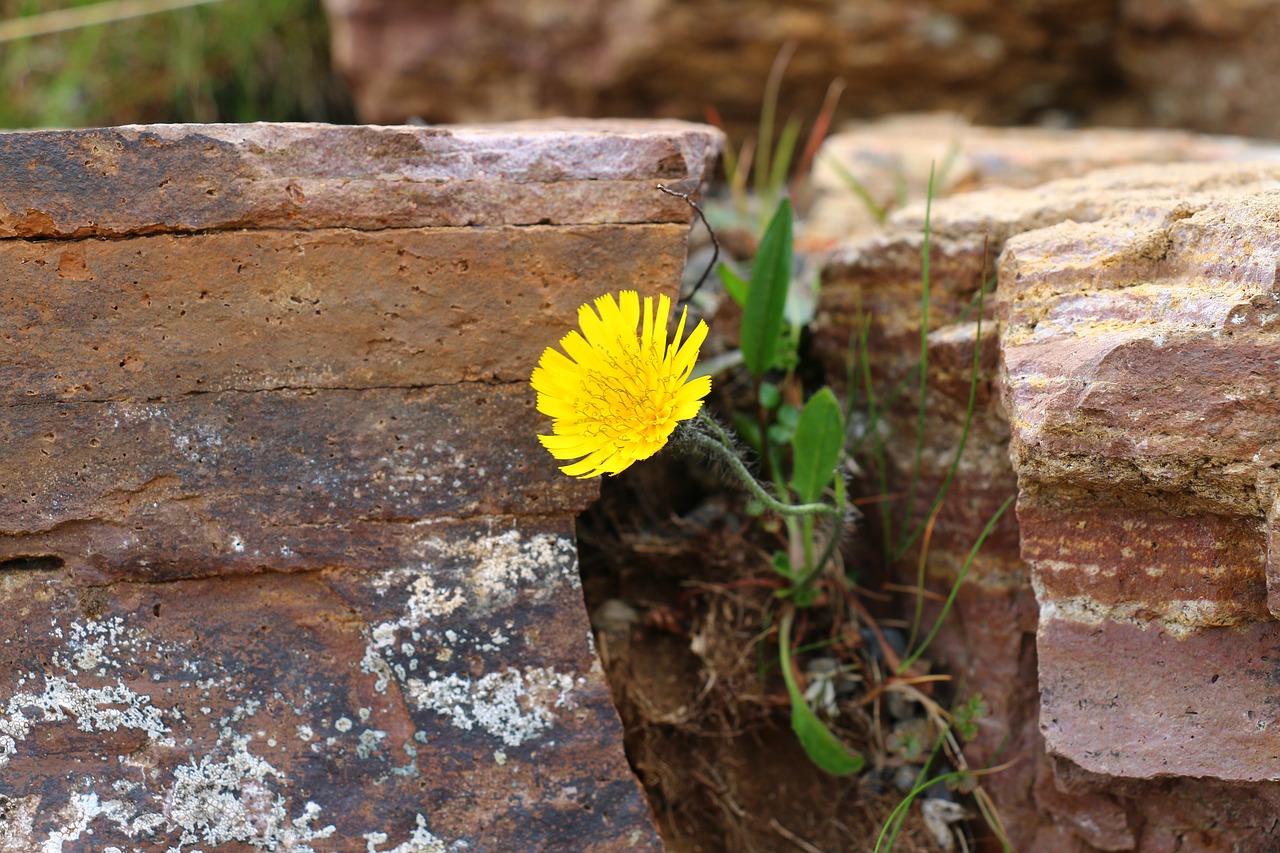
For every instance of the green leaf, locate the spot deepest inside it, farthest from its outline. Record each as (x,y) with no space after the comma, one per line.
(788,416)
(823,748)
(782,564)
(734,285)
(770,396)
(767,295)
(817,443)
(782,157)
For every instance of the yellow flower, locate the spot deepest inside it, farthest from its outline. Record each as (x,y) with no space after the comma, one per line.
(618,395)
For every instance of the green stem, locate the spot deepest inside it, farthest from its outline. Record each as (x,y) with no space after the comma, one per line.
(801,585)
(955,587)
(720,445)
(921,411)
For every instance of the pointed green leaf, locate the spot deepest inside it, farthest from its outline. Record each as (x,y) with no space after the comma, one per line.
(823,748)
(817,443)
(767,295)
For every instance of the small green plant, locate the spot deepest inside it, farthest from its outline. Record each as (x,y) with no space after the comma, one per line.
(648,395)
(788,430)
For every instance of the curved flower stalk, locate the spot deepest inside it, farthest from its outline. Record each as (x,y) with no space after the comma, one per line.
(619,389)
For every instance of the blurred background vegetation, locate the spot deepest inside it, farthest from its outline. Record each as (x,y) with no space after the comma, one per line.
(221,61)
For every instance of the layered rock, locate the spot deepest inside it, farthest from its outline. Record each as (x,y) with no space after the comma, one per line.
(1132,303)
(1141,367)
(492,60)
(284,563)
(892,159)
(1139,63)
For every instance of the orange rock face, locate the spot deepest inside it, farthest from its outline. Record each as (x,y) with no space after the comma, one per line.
(284,564)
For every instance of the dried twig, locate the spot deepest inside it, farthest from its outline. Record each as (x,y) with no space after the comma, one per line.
(715,244)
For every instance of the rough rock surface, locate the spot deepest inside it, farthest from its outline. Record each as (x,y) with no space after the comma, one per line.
(892,159)
(1135,348)
(1129,63)
(1141,374)
(490,60)
(285,567)
(1197,63)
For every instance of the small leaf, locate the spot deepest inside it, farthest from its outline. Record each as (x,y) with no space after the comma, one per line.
(782,564)
(788,416)
(770,396)
(817,444)
(767,296)
(734,285)
(823,747)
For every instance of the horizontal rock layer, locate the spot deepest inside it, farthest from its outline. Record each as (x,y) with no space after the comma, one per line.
(347,708)
(140,179)
(162,316)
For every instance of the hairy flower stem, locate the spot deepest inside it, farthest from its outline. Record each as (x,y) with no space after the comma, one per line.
(720,445)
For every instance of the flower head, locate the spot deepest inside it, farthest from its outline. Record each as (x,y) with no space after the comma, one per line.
(617,395)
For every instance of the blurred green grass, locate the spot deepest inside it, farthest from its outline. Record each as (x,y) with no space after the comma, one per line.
(228,61)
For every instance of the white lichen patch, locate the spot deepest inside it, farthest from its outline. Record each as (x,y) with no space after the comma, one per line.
(84,808)
(501,563)
(217,801)
(370,742)
(496,566)
(97,645)
(94,709)
(422,841)
(17,827)
(373,663)
(512,705)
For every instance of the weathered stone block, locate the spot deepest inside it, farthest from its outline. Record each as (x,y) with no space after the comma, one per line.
(1133,350)
(285,566)
(893,158)
(1141,368)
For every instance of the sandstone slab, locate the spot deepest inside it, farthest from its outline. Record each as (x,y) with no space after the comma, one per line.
(139,179)
(1127,372)
(1141,370)
(285,565)
(892,158)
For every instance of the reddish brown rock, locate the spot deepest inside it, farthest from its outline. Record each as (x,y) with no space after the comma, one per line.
(1140,371)
(284,564)
(1140,63)
(162,316)
(892,159)
(1158,702)
(175,178)
(1196,63)
(492,60)
(1117,292)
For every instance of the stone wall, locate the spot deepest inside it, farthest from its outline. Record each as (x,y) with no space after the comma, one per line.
(283,563)
(1120,626)
(1195,64)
